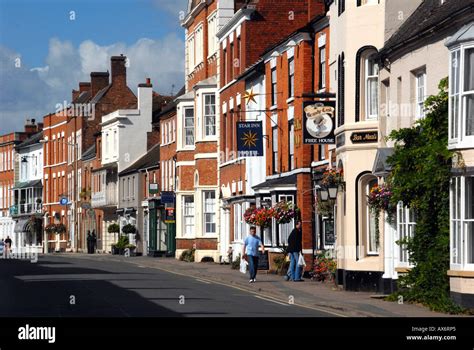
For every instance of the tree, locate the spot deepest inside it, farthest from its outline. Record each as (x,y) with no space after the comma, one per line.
(420,178)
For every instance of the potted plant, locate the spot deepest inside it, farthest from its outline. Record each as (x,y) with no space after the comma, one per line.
(332,177)
(129,229)
(121,244)
(131,248)
(324,267)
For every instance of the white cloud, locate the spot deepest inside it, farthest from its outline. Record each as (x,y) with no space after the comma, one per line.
(172,6)
(34,92)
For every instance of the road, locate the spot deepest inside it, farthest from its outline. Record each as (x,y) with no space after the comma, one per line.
(64,286)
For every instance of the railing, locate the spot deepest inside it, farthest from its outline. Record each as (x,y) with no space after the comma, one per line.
(106,197)
(26,208)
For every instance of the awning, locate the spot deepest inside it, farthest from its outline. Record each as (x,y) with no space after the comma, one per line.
(20,225)
(28,184)
(381,168)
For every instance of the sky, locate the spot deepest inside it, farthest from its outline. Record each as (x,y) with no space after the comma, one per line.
(48,46)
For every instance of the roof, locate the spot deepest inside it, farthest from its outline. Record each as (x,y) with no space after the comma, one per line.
(149,160)
(277,182)
(83,97)
(89,153)
(429,15)
(209,82)
(28,184)
(34,139)
(381,167)
(463,35)
(100,94)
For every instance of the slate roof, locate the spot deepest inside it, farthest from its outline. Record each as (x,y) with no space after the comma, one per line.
(89,153)
(465,34)
(429,15)
(31,140)
(277,182)
(149,160)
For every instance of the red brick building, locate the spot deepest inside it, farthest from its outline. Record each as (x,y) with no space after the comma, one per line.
(8,176)
(278,77)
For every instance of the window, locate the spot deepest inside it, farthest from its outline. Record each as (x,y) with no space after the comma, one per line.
(188,215)
(405,228)
(240,227)
(199,45)
(322,67)
(468,91)
(462,94)
(211,36)
(274,86)
(340,90)
(191,55)
(284,230)
(386,97)
(224,65)
(341,7)
(231,61)
(189,126)
(291,77)
(367,2)
(371,87)
(462,221)
(209,211)
(322,152)
(210,114)
(371,222)
(454,92)
(291,143)
(275,149)
(420,86)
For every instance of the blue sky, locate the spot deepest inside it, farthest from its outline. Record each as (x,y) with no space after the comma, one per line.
(45,49)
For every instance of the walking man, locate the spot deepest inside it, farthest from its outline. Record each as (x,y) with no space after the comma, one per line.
(294,249)
(250,252)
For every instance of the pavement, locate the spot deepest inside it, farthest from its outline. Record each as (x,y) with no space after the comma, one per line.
(317,298)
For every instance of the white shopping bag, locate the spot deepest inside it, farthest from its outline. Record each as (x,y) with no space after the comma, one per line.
(243,265)
(301,261)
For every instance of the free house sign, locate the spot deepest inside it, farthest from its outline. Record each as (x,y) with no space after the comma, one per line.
(318,119)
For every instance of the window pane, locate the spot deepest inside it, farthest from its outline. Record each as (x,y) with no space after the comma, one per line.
(469,70)
(469,207)
(469,99)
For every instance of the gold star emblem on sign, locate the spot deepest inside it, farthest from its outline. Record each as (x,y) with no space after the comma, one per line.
(250,96)
(250,139)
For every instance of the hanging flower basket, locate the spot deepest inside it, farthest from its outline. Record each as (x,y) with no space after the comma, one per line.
(379,199)
(55,228)
(259,217)
(325,208)
(285,212)
(332,177)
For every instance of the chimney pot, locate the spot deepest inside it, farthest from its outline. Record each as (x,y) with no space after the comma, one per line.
(148,81)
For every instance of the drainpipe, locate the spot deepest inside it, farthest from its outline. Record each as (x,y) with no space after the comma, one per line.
(313,221)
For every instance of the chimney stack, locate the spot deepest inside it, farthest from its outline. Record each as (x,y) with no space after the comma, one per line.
(75,94)
(119,71)
(84,86)
(99,80)
(30,126)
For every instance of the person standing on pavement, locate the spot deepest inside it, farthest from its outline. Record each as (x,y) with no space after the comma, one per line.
(294,249)
(250,252)
(8,245)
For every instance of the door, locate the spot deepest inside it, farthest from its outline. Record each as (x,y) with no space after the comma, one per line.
(152,231)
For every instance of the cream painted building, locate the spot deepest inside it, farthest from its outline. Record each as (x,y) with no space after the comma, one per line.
(461,140)
(359,29)
(414,59)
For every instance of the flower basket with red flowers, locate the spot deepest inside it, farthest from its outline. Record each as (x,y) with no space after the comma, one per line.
(259,217)
(284,212)
(324,267)
(332,177)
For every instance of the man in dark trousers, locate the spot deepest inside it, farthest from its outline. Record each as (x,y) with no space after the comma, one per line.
(294,249)
(8,245)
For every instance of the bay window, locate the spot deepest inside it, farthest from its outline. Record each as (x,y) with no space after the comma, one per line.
(461,95)
(189,126)
(209,114)
(371,87)
(209,205)
(405,228)
(462,221)
(188,215)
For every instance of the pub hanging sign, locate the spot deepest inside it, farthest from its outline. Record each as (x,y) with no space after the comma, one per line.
(249,139)
(318,122)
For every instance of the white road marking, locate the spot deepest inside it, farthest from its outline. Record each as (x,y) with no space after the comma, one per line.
(271,300)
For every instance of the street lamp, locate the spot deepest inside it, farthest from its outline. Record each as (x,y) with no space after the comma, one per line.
(74,191)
